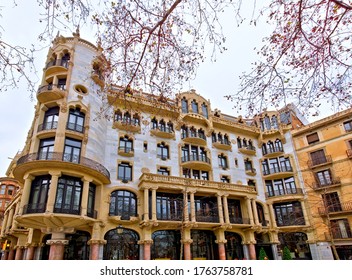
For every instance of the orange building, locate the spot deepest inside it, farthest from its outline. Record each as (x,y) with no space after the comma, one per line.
(324,151)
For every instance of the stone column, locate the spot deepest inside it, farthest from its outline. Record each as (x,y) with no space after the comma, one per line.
(220,210)
(255,212)
(249,209)
(272,215)
(154,218)
(52,191)
(12,253)
(146,205)
(85,193)
(5,255)
(146,251)
(10,218)
(25,192)
(30,252)
(57,246)
(4,222)
(226,209)
(221,241)
(193,207)
(19,252)
(252,253)
(185,207)
(187,241)
(95,248)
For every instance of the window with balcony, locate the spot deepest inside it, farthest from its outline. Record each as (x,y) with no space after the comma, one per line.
(184,105)
(318,157)
(222,161)
(274,122)
(118,116)
(340,229)
(51,118)
(68,195)
(154,123)
(331,202)
(205,110)
(289,214)
(348,126)
(72,150)
(163,171)
(162,151)
(124,172)
(195,174)
(281,187)
(312,138)
(76,120)
(168,206)
(46,148)
(61,83)
(123,203)
(206,209)
(38,195)
(248,165)
(194,106)
(235,214)
(323,178)
(126,144)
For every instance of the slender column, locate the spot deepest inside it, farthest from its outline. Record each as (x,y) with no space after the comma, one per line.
(249,209)
(187,241)
(255,212)
(252,253)
(95,248)
(52,191)
(19,253)
(85,193)
(5,256)
(3,228)
(222,251)
(25,192)
(220,210)
(10,218)
(146,251)
(226,209)
(185,207)
(146,205)
(12,253)
(154,203)
(221,241)
(57,249)
(272,215)
(193,208)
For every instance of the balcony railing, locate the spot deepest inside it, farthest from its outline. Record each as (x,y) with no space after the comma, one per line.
(47,126)
(273,150)
(326,183)
(318,161)
(283,192)
(53,156)
(336,208)
(193,134)
(59,62)
(201,158)
(214,218)
(75,127)
(239,220)
(34,208)
(277,170)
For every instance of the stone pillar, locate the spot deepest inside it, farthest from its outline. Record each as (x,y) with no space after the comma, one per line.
(221,241)
(25,192)
(5,255)
(272,215)
(4,222)
(252,253)
(220,210)
(187,241)
(57,246)
(12,253)
(30,252)
(222,251)
(52,191)
(249,209)
(154,203)
(226,209)
(10,218)
(85,193)
(185,207)
(255,212)
(146,251)
(95,248)
(146,205)
(193,207)
(19,253)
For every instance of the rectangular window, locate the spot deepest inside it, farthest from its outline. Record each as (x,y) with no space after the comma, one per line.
(289,214)
(163,171)
(125,172)
(318,157)
(312,138)
(348,126)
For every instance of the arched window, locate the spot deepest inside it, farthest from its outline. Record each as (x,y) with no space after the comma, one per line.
(166,245)
(170,127)
(123,203)
(127,118)
(136,119)
(126,144)
(239,142)
(184,132)
(162,151)
(121,246)
(205,110)
(154,123)
(162,125)
(194,105)
(76,120)
(184,105)
(274,122)
(118,116)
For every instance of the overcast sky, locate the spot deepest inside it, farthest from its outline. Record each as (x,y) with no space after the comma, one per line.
(214,80)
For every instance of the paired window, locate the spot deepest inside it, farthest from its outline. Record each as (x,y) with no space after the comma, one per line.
(223,139)
(222,161)
(194,153)
(51,119)
(46,148)
(76,120)
(281,187)
(276,165)
(68,195)
(126,144)
(163,171)
(162,151)
(168,206)
(195,174)
(235,214)
(289,214)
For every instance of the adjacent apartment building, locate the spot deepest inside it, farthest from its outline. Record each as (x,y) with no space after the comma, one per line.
(123,174)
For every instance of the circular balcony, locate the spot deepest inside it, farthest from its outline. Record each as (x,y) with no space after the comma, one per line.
(194,138)
(201,162)
(273,152)
(61,161)
(277,173)
(55,66)
(51,92)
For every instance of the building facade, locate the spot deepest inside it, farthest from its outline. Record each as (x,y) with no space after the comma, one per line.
(121,174)
(324,154)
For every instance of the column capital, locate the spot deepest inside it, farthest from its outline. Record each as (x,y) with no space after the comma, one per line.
(28,177)
(187,241)
(57,242)
(221,241)
(144,242)
(55,173)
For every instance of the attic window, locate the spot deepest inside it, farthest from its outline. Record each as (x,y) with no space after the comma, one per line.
(312,138)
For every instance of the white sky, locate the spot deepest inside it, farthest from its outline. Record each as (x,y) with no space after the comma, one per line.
(214,80)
